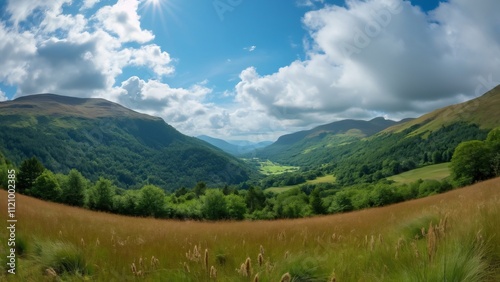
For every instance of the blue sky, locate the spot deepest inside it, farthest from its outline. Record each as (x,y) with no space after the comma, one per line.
(253,69)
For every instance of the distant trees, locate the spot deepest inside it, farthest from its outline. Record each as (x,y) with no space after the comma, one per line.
(101,195)
(73,189)
(477,160)
(236,207)
(29,171)
(46,187)
(151,201)
(317,202)
(214,205)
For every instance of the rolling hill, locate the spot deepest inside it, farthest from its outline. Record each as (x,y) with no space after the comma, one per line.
(101,138)
(309,146)
(483,111)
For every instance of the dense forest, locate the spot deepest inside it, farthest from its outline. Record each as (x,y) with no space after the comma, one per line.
(130,152)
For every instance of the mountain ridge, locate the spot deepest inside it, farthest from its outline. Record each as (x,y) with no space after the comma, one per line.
(235,148)
(55,104)
(468,111)
(102,138)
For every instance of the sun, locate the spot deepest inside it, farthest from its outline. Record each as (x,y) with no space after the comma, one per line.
(157,8)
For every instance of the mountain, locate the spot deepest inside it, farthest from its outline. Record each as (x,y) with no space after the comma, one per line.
(429,139)
(483,111)
(237,147)
(308,146)
(101,138)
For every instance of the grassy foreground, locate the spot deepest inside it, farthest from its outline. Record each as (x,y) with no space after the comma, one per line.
(448,237)
(436,172)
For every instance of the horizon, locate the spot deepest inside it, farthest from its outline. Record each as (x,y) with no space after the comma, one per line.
(214,70)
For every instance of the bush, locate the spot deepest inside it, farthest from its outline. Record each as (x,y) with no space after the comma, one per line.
(64,258)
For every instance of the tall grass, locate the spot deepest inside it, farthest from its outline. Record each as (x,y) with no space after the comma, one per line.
(383,244)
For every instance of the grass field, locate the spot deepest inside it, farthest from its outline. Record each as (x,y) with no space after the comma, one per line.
(322,179)
(447,237)
(268,168)
(437,172)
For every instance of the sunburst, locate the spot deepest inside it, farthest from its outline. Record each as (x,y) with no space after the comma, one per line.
(159,9)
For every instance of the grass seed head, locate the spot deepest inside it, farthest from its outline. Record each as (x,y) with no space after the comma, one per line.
(50,272)
(213,272)
(248,267)
(286,277)
(431,242)
(260,259)
(205,259)
(133,268)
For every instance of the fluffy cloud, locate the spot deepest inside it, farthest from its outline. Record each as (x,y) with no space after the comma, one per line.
(20,10)
(72,55)
(2,96)
(122,19)
(382,57)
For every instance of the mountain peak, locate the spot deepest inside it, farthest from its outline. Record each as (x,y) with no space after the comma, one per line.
(48,104)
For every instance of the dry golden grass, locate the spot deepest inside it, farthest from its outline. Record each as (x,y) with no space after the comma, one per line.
(123,242)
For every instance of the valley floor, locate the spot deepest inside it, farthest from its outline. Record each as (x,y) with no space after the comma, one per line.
(453,236)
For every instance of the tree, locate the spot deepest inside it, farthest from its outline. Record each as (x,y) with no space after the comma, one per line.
(471,162)
(342,202)
(73,190)
(436,157)
(151,201)
(214,205)
(255,199)
(200,188)
(236,207)
(46,187)
(101,195)
(28,172)
(317,202)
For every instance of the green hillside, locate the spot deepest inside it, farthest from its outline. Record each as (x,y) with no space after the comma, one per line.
(357,157)
(310,147)
(482,111)
(436,172)
(100,138)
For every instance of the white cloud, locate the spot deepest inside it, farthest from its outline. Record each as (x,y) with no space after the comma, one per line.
(16,49)
(122,19)
(3,97)
(88,4)
(405,62)
(153,57)
(20,10)
(309,3)
(250,48)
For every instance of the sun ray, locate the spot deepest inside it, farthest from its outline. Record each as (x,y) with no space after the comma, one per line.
(159,10)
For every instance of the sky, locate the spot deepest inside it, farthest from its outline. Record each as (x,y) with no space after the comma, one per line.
(253,69)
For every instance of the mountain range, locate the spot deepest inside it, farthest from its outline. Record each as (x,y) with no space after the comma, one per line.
(101,138)
(292,148)
(234,147)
